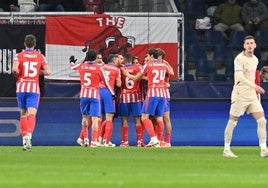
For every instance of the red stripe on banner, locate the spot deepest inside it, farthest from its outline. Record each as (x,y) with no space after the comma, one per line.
(170,49)
(103,33)
(74,30)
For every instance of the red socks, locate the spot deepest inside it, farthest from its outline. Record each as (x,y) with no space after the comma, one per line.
(149,127)
(139,132)
(124,133)
(160,130)
(23,125)
(168,135)
(108,131)
(31,123)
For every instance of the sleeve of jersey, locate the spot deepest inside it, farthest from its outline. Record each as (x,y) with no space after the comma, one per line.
(258,77)
(44,60)
(119,74)
(239,75)
(75,66)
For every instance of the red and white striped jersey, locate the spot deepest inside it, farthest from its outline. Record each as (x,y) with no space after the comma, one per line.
(166,84)
(91,75)
(156,72)
(130,89)
(30,64)
(111,73)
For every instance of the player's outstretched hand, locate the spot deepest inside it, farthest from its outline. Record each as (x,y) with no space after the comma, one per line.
(72,59)
(259,90)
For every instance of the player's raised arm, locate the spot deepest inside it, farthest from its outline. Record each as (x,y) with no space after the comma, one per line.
(132,77)
(72,61)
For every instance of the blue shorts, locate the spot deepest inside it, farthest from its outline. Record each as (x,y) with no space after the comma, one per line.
(90,106)
(107,102)
(167,105)
(130,109)
(26,100)
(154,106)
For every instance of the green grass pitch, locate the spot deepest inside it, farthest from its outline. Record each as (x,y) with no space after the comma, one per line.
(71,166)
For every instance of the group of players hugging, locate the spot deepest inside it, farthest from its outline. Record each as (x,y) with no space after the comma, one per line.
(125,87)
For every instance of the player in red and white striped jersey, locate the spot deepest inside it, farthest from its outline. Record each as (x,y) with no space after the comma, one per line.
(166,117)
(130,102)
(28,65)
(108,106)
(155,71)
(91,75)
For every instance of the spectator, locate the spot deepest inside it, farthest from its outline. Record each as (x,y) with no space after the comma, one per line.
(255,16)
(27,5)
(211,5)
(9,6)
(228,16)
(241,2)
(97,6)
(50,5)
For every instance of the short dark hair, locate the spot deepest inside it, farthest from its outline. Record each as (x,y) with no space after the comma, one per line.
(111,57)
(249,37)
(135,57)
(30,41)
(161,52)
(153,52)
(128,57)
(91,55)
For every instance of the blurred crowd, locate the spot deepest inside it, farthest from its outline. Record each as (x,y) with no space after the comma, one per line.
(228,15)
(52,5)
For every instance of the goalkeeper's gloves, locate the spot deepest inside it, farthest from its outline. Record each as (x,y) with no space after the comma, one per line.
(72,59)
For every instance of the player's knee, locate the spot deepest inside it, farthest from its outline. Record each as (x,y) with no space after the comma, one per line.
(84,123)
(261,121)
(166,118)
(232,123)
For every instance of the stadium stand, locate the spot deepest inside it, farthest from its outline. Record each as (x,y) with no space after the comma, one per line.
(201,73)
(212,38)
(195,53)
(236,39)
(222,54)
(261,37)
(190,38)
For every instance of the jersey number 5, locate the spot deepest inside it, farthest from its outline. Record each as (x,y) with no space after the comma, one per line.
(87,80)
